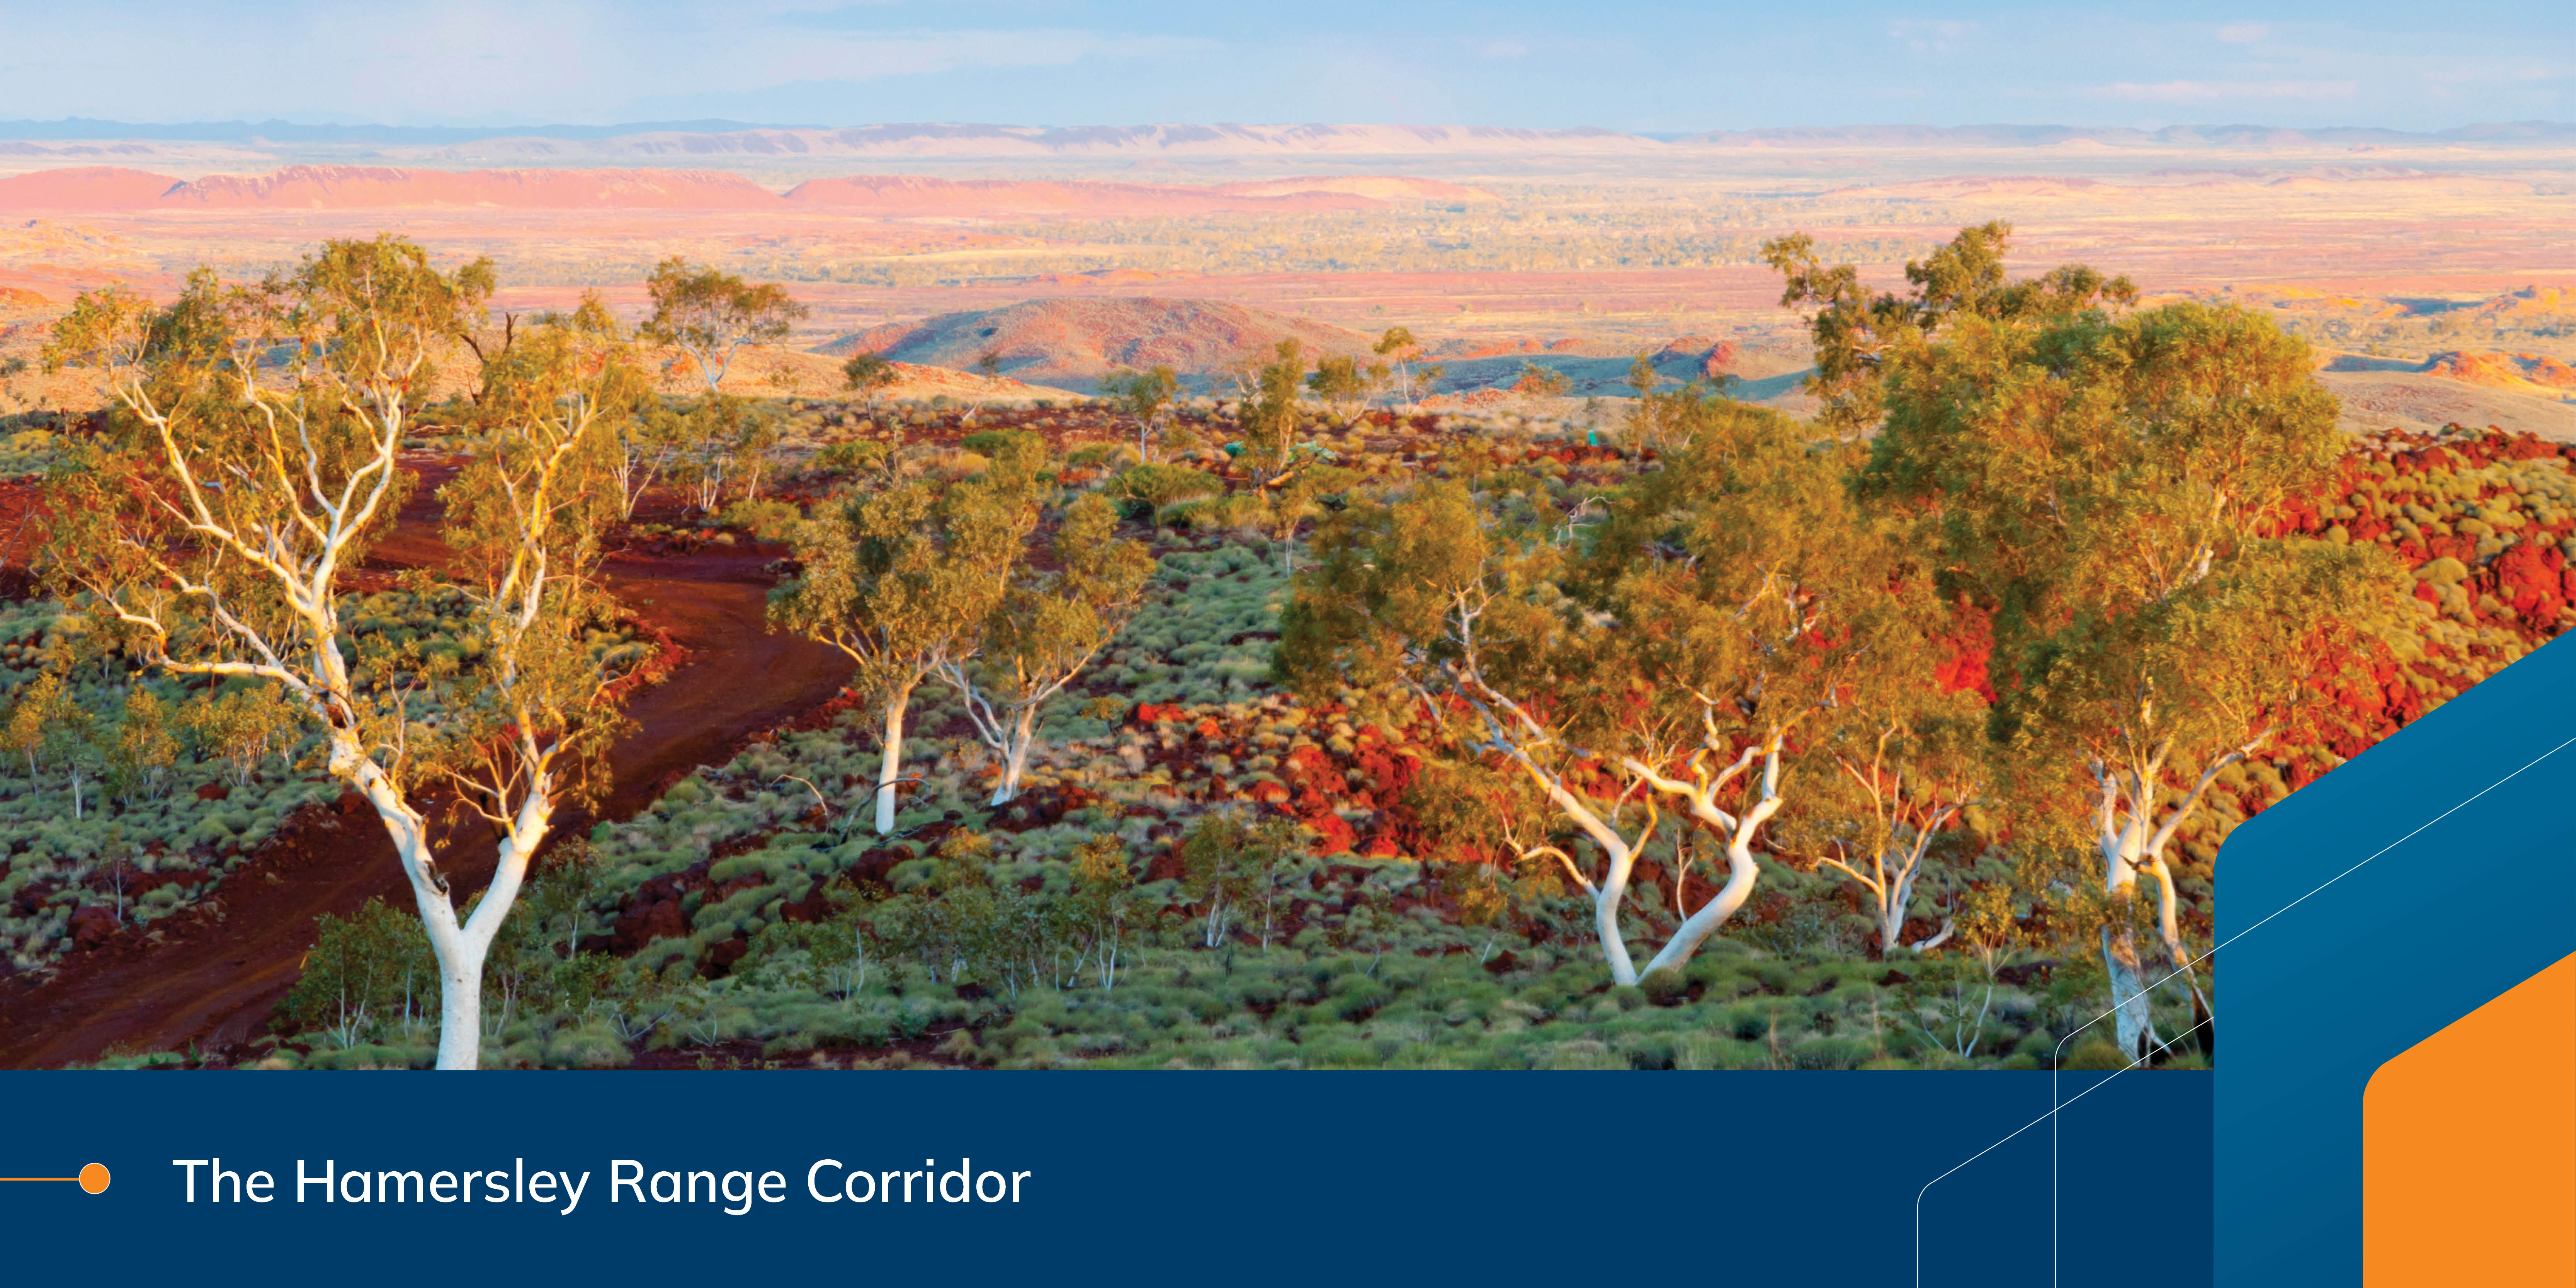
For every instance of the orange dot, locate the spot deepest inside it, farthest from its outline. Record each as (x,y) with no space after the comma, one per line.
(93,1178)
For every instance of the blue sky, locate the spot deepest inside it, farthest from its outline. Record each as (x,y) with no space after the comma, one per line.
(1068,62)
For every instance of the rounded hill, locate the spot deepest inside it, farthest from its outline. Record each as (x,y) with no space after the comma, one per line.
(1072,343)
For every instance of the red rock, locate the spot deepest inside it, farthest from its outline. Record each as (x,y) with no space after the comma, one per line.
(91,927)
(1333,835)
(646,922)
(721,957)
(213,792)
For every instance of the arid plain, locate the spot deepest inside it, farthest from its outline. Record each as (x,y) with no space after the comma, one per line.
(2434,272)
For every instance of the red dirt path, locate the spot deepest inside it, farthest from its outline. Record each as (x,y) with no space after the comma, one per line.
(218,970)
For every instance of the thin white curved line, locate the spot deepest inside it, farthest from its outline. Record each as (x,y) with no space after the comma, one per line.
(2055,1071)
(2049,1117)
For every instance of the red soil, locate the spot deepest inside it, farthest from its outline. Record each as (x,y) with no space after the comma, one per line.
(210,977)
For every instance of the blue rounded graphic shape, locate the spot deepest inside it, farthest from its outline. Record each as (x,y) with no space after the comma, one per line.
(2336,980)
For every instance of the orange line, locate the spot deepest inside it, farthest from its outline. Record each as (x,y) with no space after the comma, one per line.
(39,1178)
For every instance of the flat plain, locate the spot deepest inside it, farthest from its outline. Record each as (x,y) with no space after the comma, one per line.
(2387,255)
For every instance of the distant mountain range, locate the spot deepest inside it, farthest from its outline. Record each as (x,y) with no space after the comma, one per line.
(675,139)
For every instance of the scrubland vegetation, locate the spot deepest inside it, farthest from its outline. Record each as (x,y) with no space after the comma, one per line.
(1564,230)
(1268,732)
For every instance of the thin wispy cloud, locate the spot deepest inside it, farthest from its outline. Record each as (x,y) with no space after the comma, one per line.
(2243,33)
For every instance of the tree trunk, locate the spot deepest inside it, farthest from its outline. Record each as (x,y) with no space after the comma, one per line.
(1741,873)
(1605,920)
(1021,736)
(459,948)
(1891,930)
(891,766)
(460,1007)
(624,472)
(2128,991)
(2122,851)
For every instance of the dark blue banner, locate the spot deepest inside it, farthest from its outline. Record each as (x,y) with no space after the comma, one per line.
(1807,1178)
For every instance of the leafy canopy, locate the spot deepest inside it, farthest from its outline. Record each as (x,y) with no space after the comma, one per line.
(708,314)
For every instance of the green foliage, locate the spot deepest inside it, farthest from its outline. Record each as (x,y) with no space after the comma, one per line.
(368,975)
(1859,334)
(850,458)
(243,724)
(1201,870)
(767,520)
(2097,1055)
(29,452)
(1205,635)
(708,314)
(1157,488)
(1146,395)
(1271,414)
(720,441)
(1012,448)
(898,579)
(1046,629)
(1340,384)
(1235,868)
(869,375)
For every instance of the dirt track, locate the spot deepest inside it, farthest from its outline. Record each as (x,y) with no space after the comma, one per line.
(217,973)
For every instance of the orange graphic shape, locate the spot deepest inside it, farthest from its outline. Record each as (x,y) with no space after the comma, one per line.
(93,1178)
(2469,1147)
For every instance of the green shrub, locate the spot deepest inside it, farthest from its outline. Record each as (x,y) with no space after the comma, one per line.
(1665,985)
(1006,445)
(850,458)
(363,975)
(1153,489)
(767,520)
(1831,1052)
(2096,1054)
(1706,1051)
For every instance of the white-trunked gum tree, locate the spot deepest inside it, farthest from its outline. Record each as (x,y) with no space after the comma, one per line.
(900,576)
(1047,627)
(255,459)
(2103,480)
(1663,661)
